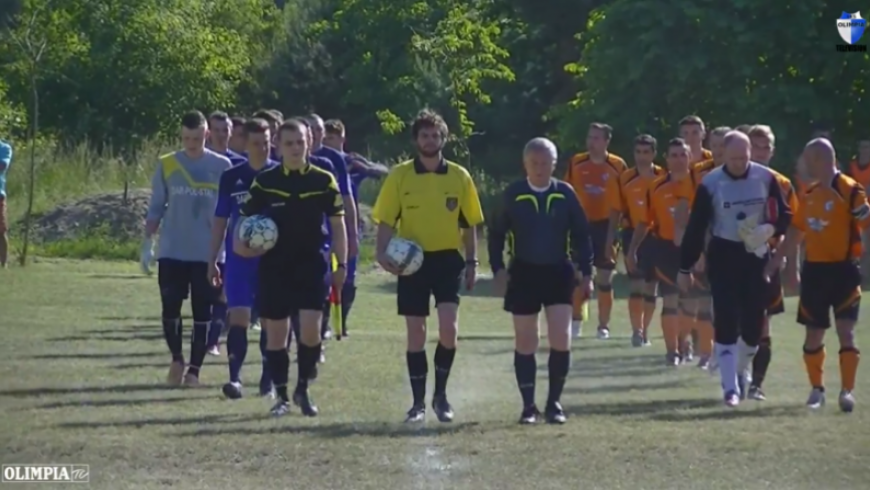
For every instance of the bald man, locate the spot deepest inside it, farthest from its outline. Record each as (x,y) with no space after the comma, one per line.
(833,211)
(742,206)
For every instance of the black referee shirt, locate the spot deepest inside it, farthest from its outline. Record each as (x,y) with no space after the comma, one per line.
(299,202)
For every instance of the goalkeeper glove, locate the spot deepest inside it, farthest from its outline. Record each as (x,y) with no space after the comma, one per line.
(146,256)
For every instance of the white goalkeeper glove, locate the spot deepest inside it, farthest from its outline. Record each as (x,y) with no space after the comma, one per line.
(746,227)
(146,256)
(756,242)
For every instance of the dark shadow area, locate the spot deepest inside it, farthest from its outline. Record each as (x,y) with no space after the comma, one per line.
(622,388)
(484,288)
(142,365)
(24,393)
(120,276)
(608,371)
(341,430)
(119,402)
(109,338)
(730,414)
(544,349)
(102,355)
(173,421)
(123,329)
(648,408)
(145,318)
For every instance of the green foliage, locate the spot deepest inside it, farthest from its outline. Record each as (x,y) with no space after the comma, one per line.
(95,244)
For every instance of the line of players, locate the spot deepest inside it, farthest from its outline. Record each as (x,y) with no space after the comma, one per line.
(647,207)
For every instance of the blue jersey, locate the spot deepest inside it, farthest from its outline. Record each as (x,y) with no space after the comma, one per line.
(236,158)
(339,163)
(233,192)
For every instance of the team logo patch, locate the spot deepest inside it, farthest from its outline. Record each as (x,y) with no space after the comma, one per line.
(851,27)
(452,203)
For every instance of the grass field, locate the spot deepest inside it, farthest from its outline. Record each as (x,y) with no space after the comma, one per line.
(82,361)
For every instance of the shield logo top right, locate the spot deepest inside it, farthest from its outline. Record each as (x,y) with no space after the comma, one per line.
(851,27)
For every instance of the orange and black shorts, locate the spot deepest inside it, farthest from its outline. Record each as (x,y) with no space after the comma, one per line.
(826,288)
(666,265)
(598,231)
(645,256)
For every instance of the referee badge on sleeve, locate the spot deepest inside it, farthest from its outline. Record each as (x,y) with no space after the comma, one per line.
(451,203)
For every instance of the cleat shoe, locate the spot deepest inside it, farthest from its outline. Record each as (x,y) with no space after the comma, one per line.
(303,401)
(530,415)
(637,339)
(280,409)
(847,401)
(416,414)
(554,413)
(214,350)
(756,394)
(442,408)
(576,329)
(743,384)
(256,326)
(232,390)
(704,363)
(731,399)
(646,341)
(344,333)
(603,333)
(816,399)
(327,335)
(176,373)
(672,359)
(191,380)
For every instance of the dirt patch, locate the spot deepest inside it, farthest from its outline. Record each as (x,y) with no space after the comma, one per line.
(111,215)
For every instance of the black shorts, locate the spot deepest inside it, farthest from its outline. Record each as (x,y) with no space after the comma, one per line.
(700,286)
(827,287)
(287,285)
(666,265)
(180,279)
(645,256)
(774,296)
(598,233)
(440,276)
(533,286)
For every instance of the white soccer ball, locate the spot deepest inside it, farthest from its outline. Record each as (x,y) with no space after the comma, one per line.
(407,255)
(259,232)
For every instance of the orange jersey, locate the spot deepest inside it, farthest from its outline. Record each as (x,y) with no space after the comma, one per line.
(665,194)
(590,180)
(832,219)
(861,174)
(703,157)
(699,170)
(789,195)
(628,193)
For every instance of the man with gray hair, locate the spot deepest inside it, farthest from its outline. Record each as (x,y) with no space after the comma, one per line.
(742,206)
(542,215)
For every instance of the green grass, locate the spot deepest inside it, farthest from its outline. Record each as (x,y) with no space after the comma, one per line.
(82,361)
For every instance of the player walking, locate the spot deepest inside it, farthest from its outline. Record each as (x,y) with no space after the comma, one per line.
(589,174)
(542,215)
(434,203)
(829,221)
(184,192)
(297,196)
(742,206)
(239,277)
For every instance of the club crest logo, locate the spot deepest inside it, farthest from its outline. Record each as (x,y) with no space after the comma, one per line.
(452,203)
(851,27)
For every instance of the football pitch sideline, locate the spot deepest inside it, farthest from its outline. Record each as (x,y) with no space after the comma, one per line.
(82,362)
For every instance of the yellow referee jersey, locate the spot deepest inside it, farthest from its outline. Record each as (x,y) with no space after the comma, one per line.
(429,208)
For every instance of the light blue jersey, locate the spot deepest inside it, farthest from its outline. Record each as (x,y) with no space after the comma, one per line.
(5,161)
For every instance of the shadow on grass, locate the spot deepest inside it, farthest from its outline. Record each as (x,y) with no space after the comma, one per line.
(120,276)
(342,430)
(543,349)
(649,408)
(153,318)
(124,329)
(119,402)
(108,338)
(100,355)
(730,414)
(623,388)
(36,392)
(169,421)
(484,288)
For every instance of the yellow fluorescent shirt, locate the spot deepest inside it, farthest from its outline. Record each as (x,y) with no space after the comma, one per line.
(429,208)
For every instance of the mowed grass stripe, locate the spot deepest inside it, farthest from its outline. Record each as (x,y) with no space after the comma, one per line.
(83,360)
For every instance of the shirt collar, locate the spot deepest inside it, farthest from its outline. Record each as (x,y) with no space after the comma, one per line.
(420,169)
(303,170)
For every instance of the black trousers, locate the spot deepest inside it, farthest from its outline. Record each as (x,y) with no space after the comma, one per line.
(739,292)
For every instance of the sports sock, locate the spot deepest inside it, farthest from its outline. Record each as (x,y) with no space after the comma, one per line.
(745,355)
(418,371)
(704,324)
(325,324)
(237,350)
(727,353)
(526,370)
(306,362)
(197,347)
(557,365)
(442,361)
(814,360)
(605,304)
(849,358)
(348,295)
(649,310)
(266,377)
(172,331)
(670,329)
(218,320)
(686,322)
(635,311)
(761,362)
(279,368)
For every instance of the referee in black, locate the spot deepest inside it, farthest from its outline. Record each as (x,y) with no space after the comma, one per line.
(543,216)
(742,206)
(299,197)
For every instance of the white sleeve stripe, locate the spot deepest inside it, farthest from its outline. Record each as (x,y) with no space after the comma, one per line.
(861,212)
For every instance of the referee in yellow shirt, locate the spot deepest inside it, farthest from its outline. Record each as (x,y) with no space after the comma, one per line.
(434,203)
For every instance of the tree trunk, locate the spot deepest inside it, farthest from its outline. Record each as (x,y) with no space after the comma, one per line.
(34,128)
